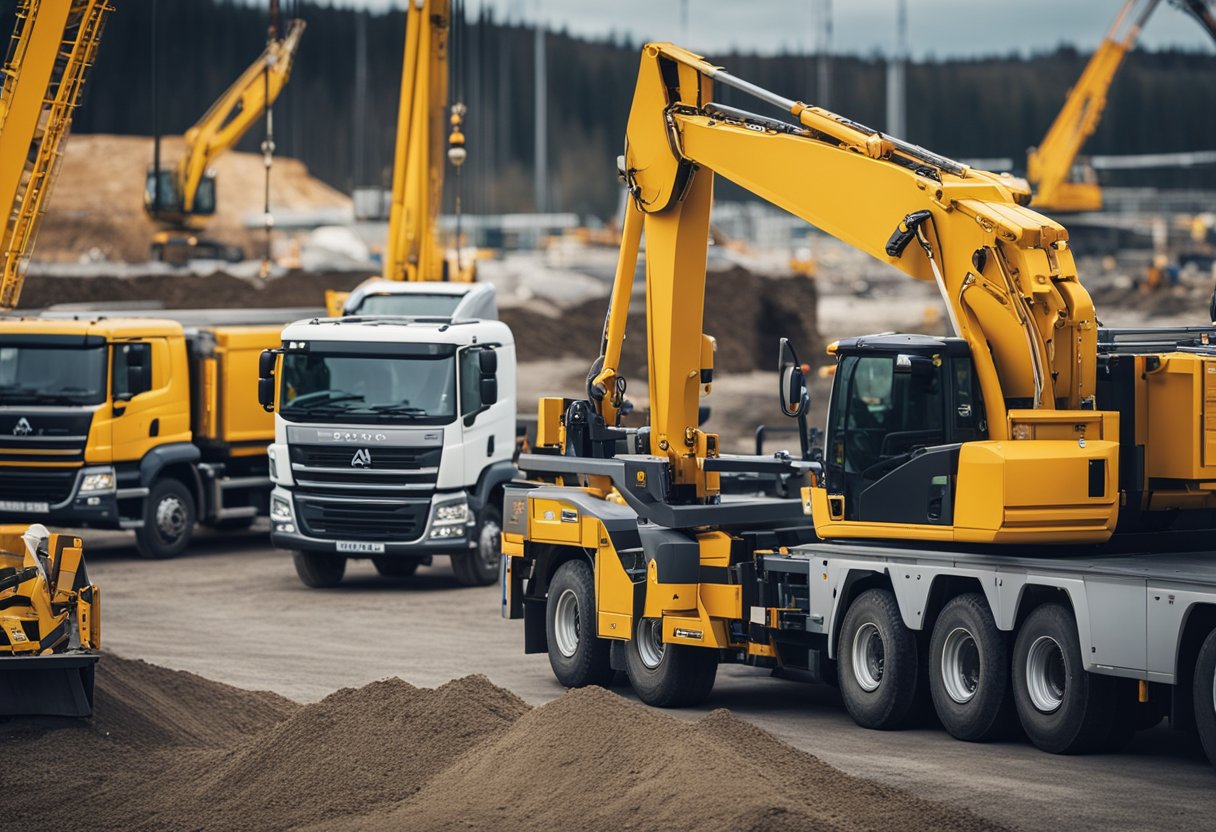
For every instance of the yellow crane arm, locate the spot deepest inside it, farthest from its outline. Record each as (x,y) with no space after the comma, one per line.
(1049,166)
(52,48)
(412,250)
(1005,272)
(234,112)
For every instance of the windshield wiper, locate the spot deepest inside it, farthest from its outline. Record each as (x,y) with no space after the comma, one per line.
(399,408)
(15,393)
(336,397)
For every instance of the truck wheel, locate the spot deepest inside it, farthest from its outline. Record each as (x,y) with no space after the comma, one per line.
(396,567)
(969,671)
(878,665)
(1204,693)
(479,566)
(668,675)
(319,570)
(168,520)
(1063,709)
(576,654)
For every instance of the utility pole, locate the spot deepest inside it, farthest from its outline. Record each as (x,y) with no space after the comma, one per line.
(823,93)
(155,112)
(360,127)
(896,64)
(540,152)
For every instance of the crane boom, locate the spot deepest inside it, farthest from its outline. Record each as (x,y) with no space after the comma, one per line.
(412,250)
(52,48)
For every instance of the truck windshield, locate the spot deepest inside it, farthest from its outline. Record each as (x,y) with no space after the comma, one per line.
(414,305)
(345,388)
(31,374)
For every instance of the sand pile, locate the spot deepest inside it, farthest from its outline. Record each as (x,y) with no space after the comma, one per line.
(170,750)
(747,313)
(97,202)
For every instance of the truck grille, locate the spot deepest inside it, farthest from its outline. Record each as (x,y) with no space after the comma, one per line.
(37,486)
(396,459)
(398,522)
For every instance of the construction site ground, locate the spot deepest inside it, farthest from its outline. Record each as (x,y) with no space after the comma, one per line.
(237,614)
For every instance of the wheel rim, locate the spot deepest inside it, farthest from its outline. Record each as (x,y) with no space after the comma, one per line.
(869,657)
(961,665)
(650,642)
(170,518)
(566,623)
(489,544)
(1046,677)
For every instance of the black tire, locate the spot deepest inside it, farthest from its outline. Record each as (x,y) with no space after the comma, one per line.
(891,673)
(1130,716)
(396,567)
(576,654)
(1203,691)
(969,671)
(169,515)
(480,565)
(1076,709)
(319,570)
(671,675)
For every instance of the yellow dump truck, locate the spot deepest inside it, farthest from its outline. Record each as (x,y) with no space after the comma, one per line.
(133,423)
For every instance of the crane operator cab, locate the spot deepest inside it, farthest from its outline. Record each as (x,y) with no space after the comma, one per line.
(171,205)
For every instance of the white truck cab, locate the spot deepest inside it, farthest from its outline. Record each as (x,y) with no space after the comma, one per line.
(394,437)
(419,298)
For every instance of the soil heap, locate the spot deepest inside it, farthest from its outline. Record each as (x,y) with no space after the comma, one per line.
(170,750)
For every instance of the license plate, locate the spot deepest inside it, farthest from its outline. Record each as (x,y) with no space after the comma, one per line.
(28,508)
(360,548)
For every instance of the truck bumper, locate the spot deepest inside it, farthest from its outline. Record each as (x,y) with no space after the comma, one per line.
(91,510)
(286,532)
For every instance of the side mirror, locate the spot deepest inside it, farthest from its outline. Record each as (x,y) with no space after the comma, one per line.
(266,364)
(488,363)
(489,391)
(266,393)
(793,390)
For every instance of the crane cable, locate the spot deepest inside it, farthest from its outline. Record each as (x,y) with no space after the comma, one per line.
(268,142)
(456,149)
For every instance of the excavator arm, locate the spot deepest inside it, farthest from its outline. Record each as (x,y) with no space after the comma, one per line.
(221,127)
(51,51)
(1005,272)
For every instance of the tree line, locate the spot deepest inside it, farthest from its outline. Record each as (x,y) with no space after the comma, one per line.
(985,107)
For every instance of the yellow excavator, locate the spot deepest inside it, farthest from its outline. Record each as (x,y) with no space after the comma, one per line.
(413,251)
(1063,181)
(50,625)
(964,507)
(182,197)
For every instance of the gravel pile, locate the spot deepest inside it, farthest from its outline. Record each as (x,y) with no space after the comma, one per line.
(170,750)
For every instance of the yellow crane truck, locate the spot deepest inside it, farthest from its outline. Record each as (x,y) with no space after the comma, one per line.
(1011,525)
(133,423)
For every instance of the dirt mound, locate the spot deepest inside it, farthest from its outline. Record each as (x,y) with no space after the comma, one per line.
(97,203)
(189,291)
(171,750)
(596,761)
(746,313)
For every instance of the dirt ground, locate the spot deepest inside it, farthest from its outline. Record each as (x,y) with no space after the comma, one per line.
(96,208)
(233,611)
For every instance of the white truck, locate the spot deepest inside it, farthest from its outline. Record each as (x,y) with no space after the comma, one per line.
(394,437)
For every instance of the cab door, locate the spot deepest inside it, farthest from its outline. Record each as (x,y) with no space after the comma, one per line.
(144,399)
(486,431)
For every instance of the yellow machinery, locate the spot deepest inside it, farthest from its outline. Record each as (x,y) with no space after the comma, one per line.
(1062,181)
(50,624)
(182,197)
(134,423)
(1031,426)
(413,251)
(52,48)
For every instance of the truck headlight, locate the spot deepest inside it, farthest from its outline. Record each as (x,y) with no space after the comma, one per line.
(95,481)
(280,510)
(452,513)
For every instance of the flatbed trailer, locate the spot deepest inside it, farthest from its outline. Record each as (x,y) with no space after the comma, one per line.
(1082,645)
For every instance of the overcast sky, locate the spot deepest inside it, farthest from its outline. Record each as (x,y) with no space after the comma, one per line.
(935,27)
